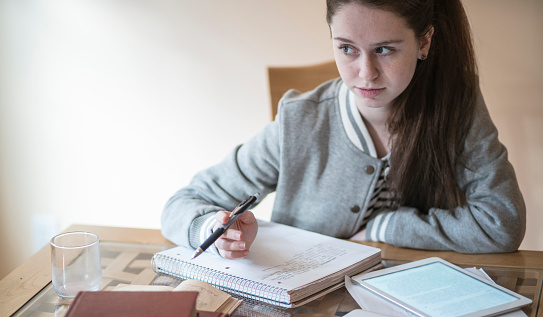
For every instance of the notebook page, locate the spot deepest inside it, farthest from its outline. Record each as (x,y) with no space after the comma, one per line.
(284,257)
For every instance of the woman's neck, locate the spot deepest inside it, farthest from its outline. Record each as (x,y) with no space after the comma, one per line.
(375,120)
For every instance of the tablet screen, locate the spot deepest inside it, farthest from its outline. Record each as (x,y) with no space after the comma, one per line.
(439,290)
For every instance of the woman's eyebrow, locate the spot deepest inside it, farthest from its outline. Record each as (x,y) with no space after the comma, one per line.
(383,43)
(342,39)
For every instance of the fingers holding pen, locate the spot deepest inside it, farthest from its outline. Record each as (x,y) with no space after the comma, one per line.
(232,233)
(232,249)
(236,241)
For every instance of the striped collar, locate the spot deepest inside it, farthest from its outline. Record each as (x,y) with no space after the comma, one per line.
(354,125)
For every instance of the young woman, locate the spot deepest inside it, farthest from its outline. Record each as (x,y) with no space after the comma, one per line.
(400,149)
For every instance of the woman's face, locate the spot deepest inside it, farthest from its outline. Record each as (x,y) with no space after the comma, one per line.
(376,53)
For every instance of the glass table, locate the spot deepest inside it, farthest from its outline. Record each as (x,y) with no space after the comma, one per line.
(130,263)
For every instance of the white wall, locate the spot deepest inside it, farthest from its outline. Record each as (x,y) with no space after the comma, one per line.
(109,106)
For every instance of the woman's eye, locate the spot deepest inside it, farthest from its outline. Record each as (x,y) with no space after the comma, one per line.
(347,49)
(383,50)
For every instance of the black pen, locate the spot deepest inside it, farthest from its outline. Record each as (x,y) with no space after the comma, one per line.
(236,213)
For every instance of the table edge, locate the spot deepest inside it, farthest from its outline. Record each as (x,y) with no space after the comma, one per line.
(23,283)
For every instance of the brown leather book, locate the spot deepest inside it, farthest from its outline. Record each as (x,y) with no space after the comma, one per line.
(205,313)
(134,304)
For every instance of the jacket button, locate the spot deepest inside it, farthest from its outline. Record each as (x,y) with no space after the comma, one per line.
(369,169)
(355,209)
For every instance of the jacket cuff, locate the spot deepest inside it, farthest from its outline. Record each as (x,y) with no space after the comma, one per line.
(200,229)
(377,229)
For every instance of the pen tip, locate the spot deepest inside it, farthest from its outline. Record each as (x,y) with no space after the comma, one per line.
(197,253)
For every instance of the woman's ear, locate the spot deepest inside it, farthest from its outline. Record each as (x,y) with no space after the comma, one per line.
(425,42)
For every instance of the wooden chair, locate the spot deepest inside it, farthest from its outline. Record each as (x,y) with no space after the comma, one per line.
(301,78)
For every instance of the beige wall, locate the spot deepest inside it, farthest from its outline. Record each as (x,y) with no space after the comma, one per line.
(107,106)
(508,42)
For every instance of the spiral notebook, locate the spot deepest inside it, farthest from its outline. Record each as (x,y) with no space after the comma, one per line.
(287,266)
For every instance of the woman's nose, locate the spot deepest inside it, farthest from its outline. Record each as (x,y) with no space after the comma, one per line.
(368,69)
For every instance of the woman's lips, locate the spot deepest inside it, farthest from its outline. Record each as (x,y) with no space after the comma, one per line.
(370,92)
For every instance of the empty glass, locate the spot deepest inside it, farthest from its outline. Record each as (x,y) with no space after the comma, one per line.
(75,262)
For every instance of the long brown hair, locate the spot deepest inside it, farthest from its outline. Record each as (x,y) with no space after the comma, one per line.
(430,119)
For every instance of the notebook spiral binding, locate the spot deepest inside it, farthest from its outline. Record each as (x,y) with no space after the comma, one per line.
(229,283)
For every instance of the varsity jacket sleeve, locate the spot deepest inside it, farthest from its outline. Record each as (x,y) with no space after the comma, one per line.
(494,219)
(189,215)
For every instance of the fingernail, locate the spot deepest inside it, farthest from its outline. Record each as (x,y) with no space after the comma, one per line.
(241,245)
(238,235)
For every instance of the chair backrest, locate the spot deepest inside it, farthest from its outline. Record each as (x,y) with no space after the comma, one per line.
(301,78)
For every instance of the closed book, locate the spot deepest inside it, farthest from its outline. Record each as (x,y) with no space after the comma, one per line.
(134,304)
(287,266)
(205,313)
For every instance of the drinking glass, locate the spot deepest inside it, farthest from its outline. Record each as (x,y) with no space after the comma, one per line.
(75,262)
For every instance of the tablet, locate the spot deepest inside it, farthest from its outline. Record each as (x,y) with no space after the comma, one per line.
(435,287)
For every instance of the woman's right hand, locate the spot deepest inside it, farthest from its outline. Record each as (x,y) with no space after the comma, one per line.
(237,240)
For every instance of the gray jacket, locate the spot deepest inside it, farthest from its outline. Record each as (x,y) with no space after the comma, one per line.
(323,183)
